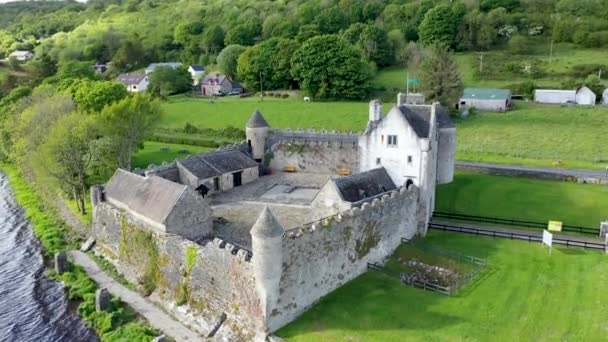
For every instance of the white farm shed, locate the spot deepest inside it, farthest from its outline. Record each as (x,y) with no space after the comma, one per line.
(554,96)
(584,96)
(605,96)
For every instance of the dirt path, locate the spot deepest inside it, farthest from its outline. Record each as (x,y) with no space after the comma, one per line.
(155,316)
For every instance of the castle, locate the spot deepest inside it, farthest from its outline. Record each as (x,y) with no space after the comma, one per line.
(241,241)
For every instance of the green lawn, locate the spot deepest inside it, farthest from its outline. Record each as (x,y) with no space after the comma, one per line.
(524,294)
(280,113)
(152,154)
(524,199)
(551,135)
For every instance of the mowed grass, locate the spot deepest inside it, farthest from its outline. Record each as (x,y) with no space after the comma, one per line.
(552,135)
(524,294)
(152,153)
(524,199)
(280,113)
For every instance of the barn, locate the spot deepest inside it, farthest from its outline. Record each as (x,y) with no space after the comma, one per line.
(488,99)
(585,96)
(557,96)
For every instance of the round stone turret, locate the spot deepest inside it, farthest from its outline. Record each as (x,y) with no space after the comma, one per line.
(257,131)
(267,247)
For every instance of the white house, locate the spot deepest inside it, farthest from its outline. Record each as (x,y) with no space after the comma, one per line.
(554,96)
(496,100)
(134,82)
(150,69)
(21,55)
(197,72)
(585,96)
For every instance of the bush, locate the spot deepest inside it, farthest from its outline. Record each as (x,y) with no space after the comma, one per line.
(285,96)
(190,128)
(525,88)
(583,70)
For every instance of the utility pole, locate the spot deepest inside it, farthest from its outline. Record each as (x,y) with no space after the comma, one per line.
(407,83)
(551,52)
(481,62)
(261,86)
(599,74)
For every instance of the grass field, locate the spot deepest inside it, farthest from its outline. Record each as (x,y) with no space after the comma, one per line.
(575,136)
(280,113)
(524,294)
(152,153)
(524,199)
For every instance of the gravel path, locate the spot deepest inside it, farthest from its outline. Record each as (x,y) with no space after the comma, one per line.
(155,316)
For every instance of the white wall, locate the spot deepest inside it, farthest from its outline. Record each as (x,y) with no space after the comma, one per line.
(490,105)
(554,96)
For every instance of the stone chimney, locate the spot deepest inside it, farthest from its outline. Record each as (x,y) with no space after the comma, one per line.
(375,110)
(411,99)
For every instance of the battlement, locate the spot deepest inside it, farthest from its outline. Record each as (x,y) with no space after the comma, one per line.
(232,249)
(311,135)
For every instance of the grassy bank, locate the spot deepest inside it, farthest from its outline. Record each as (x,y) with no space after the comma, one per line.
(524,199)
(116,324)
(153,153)
(524,294)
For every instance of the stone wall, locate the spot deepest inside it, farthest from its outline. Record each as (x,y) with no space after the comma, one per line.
(320,257)
(315,157)
(197,282)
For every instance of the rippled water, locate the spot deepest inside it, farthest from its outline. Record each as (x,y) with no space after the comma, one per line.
(32,308)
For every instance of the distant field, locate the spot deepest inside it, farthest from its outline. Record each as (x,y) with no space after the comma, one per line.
(524,294)
(524,199)
(537,134)
(152,154)
(280,113)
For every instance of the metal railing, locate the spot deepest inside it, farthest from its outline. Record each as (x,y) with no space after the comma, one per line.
(513,222)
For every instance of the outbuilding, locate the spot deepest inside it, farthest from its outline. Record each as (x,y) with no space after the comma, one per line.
(488,99)
(556,96)
(134,82)
(585,96)
(21,55)
(605,97)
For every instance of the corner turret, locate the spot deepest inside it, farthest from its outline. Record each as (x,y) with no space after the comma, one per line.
(257,131)
(267,247)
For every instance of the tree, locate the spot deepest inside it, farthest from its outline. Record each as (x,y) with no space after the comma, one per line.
(440,25)
(255,63)
(165,81)
(92,96)
(353,33)
(439,77)
(44,66)
(594,83)
(227,60)
(376,46)
(66,152)
(243,34)
(518,44)
(127,123)
(213,39)
(76,70)
(328,67)
(331,20)
(130,55)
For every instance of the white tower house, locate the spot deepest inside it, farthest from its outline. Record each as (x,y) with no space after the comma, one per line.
(257,131)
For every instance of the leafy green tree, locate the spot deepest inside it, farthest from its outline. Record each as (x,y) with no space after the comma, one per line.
(243,34)
(440,25)
(93,96)
(213,39)
(519,44)
(66,152)
(127,123)
(594,83)
(165,81)
(76,70)
(129,56)
(509,5)
(255,63)
(306,32)
(331,20)
(376,46)
(439,76)
(328,67)
(281,63)
(227,60)
(44,66)
(353,33)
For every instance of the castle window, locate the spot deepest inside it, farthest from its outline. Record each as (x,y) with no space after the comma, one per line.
(377,161)
(392,140)
(409,159)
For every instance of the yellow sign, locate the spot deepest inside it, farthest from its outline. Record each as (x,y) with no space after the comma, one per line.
(555,226)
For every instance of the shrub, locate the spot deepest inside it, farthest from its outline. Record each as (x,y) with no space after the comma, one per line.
(285,96)
(190,129)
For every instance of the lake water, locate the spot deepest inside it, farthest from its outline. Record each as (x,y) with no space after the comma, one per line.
(32,307)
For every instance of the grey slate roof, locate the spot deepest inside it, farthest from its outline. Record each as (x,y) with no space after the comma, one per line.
(214,79)
(153,198)
(132,78)
(215,164)
(267,225)
(419,118)
(197,67)
(257,120)
(229,161)
(365,185)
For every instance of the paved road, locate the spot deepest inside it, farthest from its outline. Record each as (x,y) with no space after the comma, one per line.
(155,316)
(555,171)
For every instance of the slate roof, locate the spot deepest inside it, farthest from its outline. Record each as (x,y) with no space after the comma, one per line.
(486,94)
(365,185)
(257,120)
(267,225)
(197,67)
(214,79)
(419,117)
(215,164)
(132,78)
(153,198)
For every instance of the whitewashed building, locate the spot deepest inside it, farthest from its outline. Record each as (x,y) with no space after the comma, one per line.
(134,82)
(556,96)
(585,96)
(197,72)
(21,55)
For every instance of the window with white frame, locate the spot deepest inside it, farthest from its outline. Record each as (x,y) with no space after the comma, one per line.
(392,140)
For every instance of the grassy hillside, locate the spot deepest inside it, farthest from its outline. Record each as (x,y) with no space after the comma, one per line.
(524,294)
(496,196)
(153,153)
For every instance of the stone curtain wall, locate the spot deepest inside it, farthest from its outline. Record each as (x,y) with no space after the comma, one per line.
(196,282)
(320,257)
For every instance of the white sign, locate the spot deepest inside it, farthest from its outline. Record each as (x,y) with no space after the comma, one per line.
(547,238)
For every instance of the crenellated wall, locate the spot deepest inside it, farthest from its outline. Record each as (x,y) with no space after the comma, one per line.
(196,282)
(320,257)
